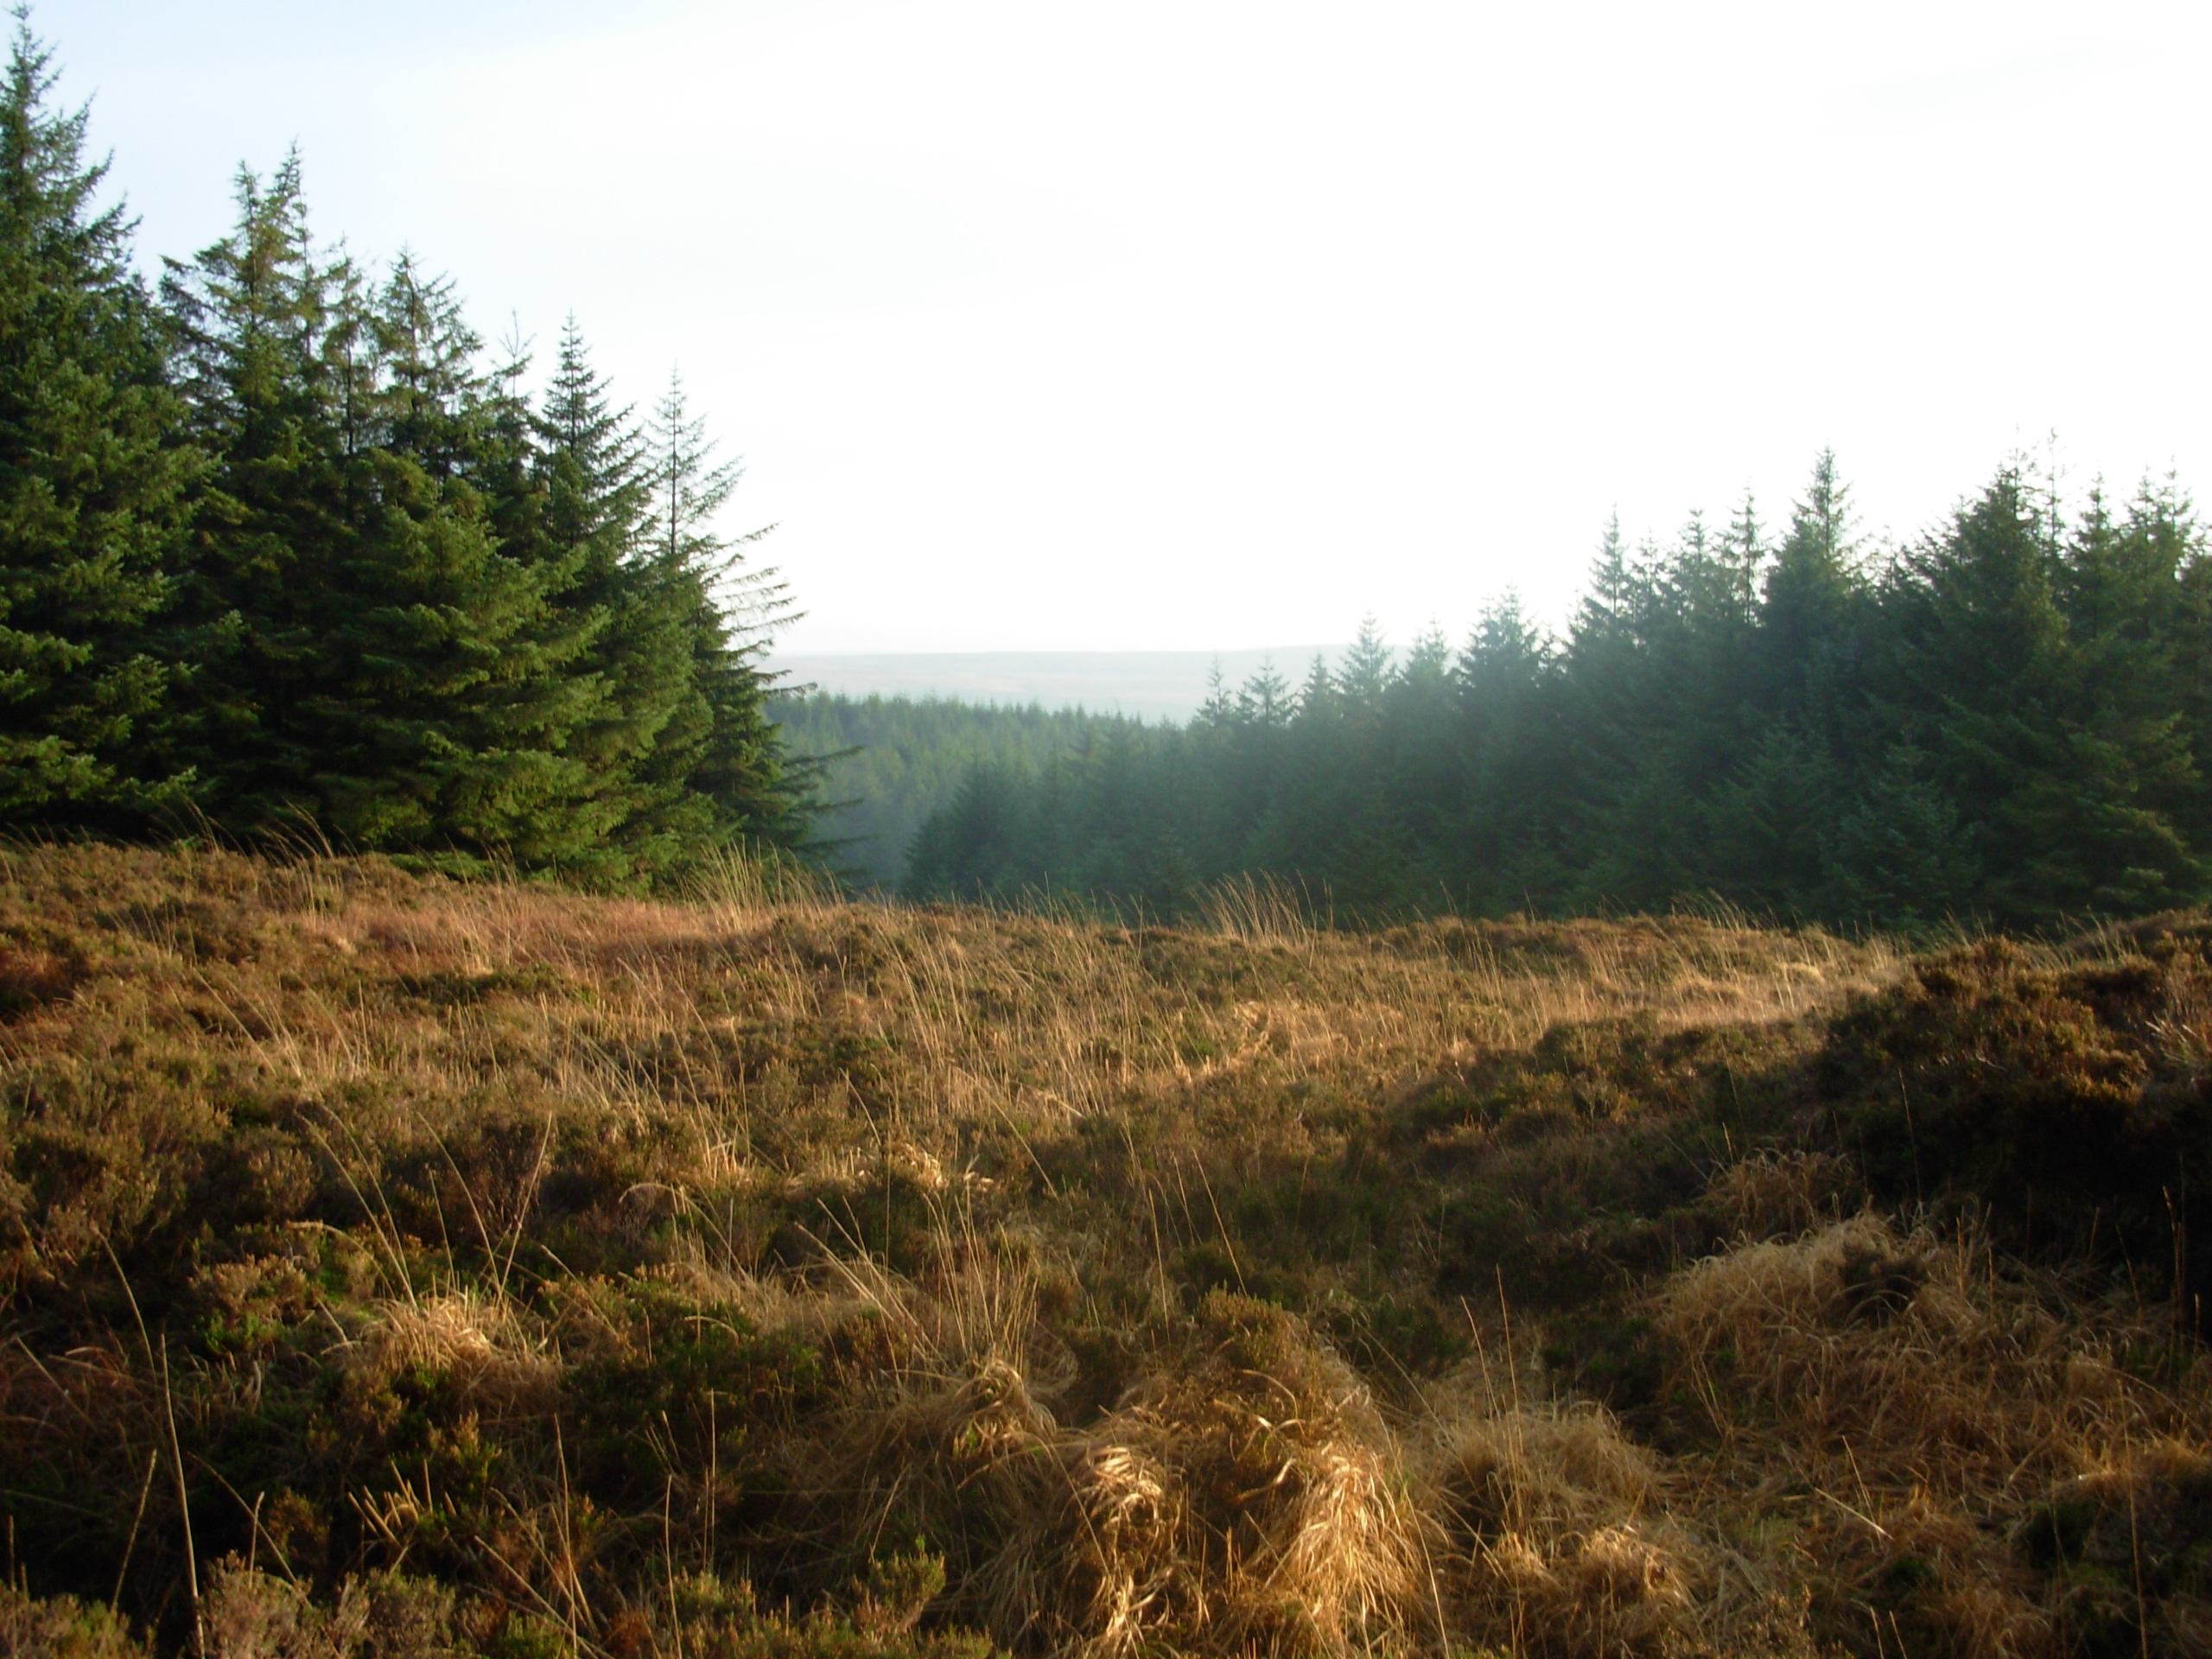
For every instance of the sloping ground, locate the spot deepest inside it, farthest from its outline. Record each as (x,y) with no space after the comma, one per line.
(390,1267)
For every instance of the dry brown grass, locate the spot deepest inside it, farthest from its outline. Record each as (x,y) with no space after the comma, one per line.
(1923,1402)
(1560,1541)
(607,1274)
(1249,1498)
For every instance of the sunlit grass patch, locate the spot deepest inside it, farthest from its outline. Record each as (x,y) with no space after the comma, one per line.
(385,1258)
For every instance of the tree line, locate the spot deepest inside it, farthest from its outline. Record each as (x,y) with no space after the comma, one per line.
(283,551)
(887,763)
(2009,719)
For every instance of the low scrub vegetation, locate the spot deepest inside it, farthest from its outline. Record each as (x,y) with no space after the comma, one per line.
(392,1266)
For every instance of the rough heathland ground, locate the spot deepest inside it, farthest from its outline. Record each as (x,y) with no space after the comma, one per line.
(393,1267)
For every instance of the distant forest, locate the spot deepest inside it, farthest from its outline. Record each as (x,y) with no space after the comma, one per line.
(282,552)
(2009,721)
(285,553)
(887,763)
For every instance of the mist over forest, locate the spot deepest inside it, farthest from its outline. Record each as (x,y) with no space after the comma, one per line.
(294,554)
(2003,722)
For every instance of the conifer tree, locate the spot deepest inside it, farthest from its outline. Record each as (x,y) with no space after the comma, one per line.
(592,470)
(718,772)
(1608,608)
(1366,668)
(271,352)
(1980,646)
(1319,695)
(1615,785)
(1220,708)
(1744,554)
(449,690)
(1264,701)
(1901,854)
(1508,845)
(2120,804)
(91,482)
(2161,515)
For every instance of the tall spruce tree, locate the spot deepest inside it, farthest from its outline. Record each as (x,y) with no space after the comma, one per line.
(91,481)
(1980,660)
(2161,515)
(719,773)
(272,354)
(598,517)
(1508,851)
(2120,801)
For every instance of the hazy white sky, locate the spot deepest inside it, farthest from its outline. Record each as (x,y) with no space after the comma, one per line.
(1203,325)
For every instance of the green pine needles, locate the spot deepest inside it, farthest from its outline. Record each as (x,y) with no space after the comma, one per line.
(93,482)
(280,552)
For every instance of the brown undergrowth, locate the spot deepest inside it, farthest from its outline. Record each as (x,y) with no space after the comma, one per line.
(389,1266)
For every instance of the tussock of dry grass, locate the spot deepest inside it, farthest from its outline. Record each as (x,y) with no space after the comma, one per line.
(476,1341)
(1560,1540)
(1227,1505)
(1930,1407)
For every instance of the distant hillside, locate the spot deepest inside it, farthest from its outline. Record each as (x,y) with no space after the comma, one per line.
(1147,684)
(888,763)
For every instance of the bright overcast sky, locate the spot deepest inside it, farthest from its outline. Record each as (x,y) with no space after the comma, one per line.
(1205,325)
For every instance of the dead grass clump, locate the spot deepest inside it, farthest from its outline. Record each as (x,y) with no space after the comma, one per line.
(1562,1543)
(941,1437)
(1262,910)
(1837,1319)
(1550,1470)
(1245,1498)
(1254,1498)
(1778,1194)
(1924,1400)
(474,1342)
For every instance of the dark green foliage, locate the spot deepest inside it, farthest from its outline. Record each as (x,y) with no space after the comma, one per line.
(280,396)
(716,771)
(280,549)
(446,694)
(2005,724)
(91,480)
(887,763)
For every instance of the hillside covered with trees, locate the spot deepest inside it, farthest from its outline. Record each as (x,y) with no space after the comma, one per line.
(885,764)
(282,549)
(2010,718)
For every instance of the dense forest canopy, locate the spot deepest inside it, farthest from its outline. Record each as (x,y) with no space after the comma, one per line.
(2008,720)
(282,551)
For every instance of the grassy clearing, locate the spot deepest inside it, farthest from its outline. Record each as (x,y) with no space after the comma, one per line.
(390,1265)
